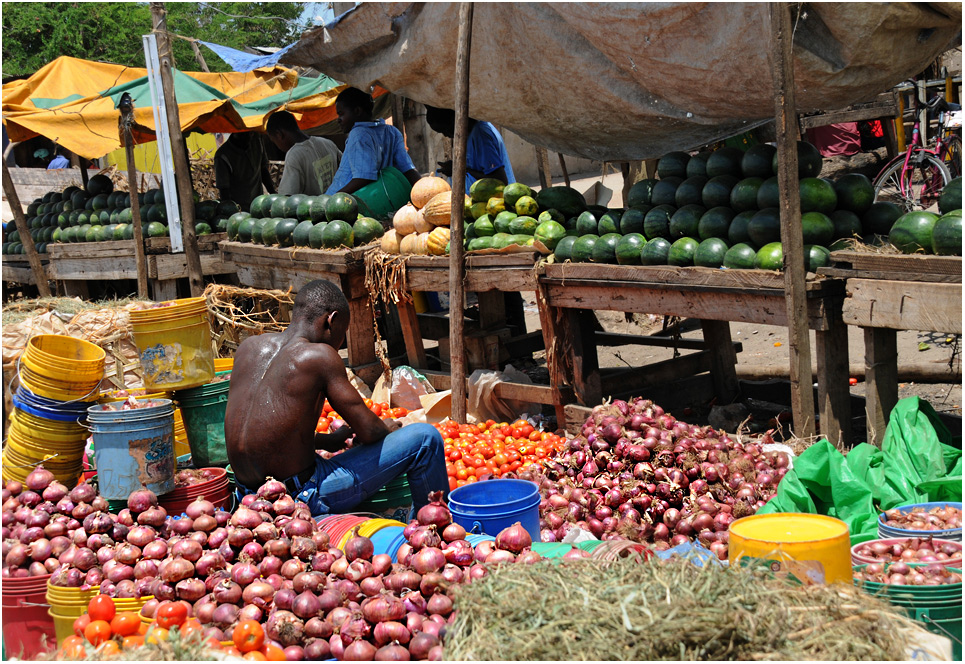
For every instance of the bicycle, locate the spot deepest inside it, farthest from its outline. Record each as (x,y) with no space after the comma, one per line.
(914,179)
(950,120)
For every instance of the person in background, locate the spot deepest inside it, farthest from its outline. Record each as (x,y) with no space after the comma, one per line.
(241,168)
(280,382)
(59,160)
(486,155)
(310,161)
(371,145)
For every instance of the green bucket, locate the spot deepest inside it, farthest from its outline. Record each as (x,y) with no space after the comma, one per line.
(551,550)
(383,197)
(944,622)
(203,411)
(394,494)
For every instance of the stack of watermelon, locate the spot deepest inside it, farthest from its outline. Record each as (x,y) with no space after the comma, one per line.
(925,232)
(319,222)
(99,214)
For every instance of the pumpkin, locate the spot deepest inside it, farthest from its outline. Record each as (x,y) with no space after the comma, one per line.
(390,242)
(438,211)
(415,243)
(438,241)
(427,187)
(405,219)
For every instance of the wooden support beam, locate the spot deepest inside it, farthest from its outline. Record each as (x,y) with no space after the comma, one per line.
(39,274)
(723,359)
(127,138)
(182,168)
(457,264)
(586,364)
(645,380)
(198,56)
(881,379)
(543,166)
(566,174)
(414,349)
(834,393)
(786,125)
(492,309)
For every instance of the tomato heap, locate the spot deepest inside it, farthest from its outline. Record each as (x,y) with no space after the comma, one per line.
(490,448)
(381,409)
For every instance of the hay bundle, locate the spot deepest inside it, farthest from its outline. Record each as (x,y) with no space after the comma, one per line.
(238,313)
(623,610)
(385,277)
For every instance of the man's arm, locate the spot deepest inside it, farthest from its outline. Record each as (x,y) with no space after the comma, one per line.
(355,184)
(412,176)
(347,402)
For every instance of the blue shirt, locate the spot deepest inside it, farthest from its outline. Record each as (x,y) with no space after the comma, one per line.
(486,152)
(371,146)
(60,161)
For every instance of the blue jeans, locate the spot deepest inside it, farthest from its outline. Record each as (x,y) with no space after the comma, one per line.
(352,477)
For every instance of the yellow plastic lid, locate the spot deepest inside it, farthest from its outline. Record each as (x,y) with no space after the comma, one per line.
(788,527)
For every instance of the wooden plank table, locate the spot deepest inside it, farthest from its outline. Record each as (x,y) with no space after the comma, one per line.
(715,297)
(891,292)
(16,269)
(75,264)
(285,268)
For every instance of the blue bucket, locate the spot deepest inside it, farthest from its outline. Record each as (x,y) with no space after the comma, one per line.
(388,540)
(134,448)
(953,534)
(491,506)
(475,539)
(49,409)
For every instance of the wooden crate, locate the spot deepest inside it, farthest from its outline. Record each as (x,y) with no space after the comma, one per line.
(484,273)
(897,267)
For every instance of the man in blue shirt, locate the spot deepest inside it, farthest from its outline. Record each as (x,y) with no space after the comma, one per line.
(486,155)
(371,146)
(59,161)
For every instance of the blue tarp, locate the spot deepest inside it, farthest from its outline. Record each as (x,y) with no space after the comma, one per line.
(245,62)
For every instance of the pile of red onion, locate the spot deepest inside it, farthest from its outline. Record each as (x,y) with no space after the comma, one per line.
(918,518)
(904,574)
(911,550)
(41,522)
(637,473)
(190,476)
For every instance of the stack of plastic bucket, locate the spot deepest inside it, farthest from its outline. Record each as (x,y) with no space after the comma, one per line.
(372,527)
(181,444)
(203,411)
(27,629)
(59,376)
(491,506)
(133,448)
(388,540)
(938,608)
(394,494)
(885,530)
(68,604)
(215,490)
(174,343)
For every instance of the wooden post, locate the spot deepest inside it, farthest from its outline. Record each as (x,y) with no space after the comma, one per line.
(127,137)
(900,123)
(566,174)
(786,124)
(543,166)
(457,266)
(881,379)
(182,173)
(40,275)
(198,56)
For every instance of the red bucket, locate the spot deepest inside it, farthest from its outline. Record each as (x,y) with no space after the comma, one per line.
(216,490)
(28,631)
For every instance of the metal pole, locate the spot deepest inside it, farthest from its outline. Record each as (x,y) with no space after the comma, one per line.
(457,293)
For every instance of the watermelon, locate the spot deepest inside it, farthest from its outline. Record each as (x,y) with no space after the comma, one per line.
(583,248)
(269,236)
(367,229)
(951,198)
(279,207)
(657,222)
(502,240)
(587,224)
(628,249)
(551,215)
(715,223)
(285,230)
(245,230)
(809,161)
(292,204)
(641,193)
(770,257)
(725,161)
(605,249)
(100,184)
(913,232)
(316,209)
(717,191)
(855,192)
(564,248)
(673,165)
(880,217)
(632,221)
(341,207)
(568,201)
(338,233)
(523,226)
(689,191)
(315,235)
(741,256)
(256,232)
(205,210)
(744,194)
(765,227)
(655,252)
(817,228)
(684,221)
(234,222)
(698,165)
(682,252)
(550,234)
(947,234)
(768,195)
(847,224)
(609,222)
(710,252)
(202,228)
(503,220)
(304,210)
(817,195)
(665,191)
(816,256)
(756,162)
(157,229)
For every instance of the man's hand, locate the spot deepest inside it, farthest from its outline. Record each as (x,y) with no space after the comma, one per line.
(393,425)
(333,442)
(445,167)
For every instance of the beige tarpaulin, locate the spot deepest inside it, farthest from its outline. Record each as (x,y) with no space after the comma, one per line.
(620,81)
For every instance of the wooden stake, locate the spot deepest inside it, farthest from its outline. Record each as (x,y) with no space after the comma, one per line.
(198,56)
(543,166)
(786,124)
(75,162)
(127,138)
(40,275)
(566,175)
(182,172)
(457,265)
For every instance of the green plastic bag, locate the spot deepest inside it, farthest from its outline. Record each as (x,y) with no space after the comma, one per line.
(915,464)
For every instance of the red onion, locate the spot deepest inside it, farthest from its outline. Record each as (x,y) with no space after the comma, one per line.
(384,608)
(258,593)
(515,538)
(421,644)
(428,560)
(244,573)
(187,549)
(306,605)
(299,528)
(359,651)
(435,512)
(39,479)
(272,489)
(247,518)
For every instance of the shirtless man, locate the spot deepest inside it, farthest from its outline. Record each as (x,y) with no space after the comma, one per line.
(279,383)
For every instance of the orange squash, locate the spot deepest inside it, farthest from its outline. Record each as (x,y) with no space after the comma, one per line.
(438,241)
(438,211)
(427,187)
(405,218)
(390,242)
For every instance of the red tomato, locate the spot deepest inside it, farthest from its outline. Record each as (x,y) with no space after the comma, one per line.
(97,632)
(171,615)
(101,607)
(248,636)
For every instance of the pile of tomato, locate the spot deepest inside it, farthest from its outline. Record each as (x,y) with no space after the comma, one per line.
(381,409)
(493,448)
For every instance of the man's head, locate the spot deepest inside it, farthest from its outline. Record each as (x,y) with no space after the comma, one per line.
(283,130)
(325,308)
(441,120)
(352,105)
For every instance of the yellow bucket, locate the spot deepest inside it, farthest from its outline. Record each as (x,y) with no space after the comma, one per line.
(63,626)
(373,526)
(139,393)
(58,390)
(181,445)
(65,433)
(812,547)
(54,355)
(224,364)
(175,346)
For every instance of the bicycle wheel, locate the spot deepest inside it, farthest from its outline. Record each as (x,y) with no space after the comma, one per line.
(918,188)
(952,155)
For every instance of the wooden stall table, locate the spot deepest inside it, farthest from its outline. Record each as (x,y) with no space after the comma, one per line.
(16,269)
(572,291)
(77,263)
(891,292)
(284,268)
